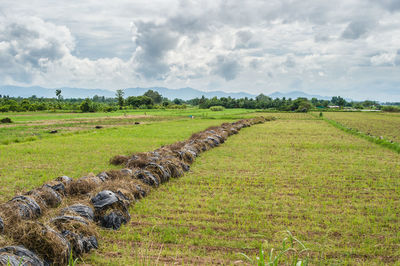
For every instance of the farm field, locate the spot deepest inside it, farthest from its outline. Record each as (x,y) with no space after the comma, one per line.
(377,124)
(337,193)
(27,165)
(32,126)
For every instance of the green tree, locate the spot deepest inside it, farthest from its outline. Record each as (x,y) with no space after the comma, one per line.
(58,94)
(157,98)
(339,101)
(120,98)
(140,101)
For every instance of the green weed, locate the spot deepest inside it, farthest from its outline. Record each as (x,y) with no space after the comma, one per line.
(297,256)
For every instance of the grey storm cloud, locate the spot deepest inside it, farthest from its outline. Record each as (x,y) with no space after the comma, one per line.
(357,29)
(290,62)
(153,42)
(27,46)
(244,40)
(390,5)
(226,67)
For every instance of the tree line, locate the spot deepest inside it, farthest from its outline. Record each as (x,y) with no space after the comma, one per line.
(152,99)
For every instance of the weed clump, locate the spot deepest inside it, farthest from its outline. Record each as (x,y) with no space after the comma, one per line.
(6,120)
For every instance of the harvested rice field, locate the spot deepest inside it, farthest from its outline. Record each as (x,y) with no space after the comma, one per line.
(377,124)
(336,193)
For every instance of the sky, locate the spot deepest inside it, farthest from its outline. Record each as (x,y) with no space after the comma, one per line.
(343,47)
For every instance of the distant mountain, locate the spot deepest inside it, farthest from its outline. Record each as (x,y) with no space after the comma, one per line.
(183,93)
(297,94)
(15,91)
(186,93)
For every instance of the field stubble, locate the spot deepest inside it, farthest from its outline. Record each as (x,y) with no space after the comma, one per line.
(379,124)
(337,193)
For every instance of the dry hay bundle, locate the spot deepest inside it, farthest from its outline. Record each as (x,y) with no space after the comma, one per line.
(157,170)
(111,209)
(20,207)
(132,189)
(64,179)
(186,156)
(78,231)
(139,160)
(192,149)
(115,175)
(176,146)
(209,143)
(164,151)
(214,140)
(75,224)
(103,176)
(197,135)
(46,195)
(17,255)
(57,186)
(84,184)
(81,210)
(119,160)
(43,240)
(199,145)
(147,177)
(173,165)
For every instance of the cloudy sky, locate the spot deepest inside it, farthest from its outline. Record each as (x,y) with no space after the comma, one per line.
(342,47)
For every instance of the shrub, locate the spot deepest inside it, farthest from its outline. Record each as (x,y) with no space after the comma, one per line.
(6,120)
(4,108)
(89,106)
(390,109)
(217,108)
(304,107)
(176,106)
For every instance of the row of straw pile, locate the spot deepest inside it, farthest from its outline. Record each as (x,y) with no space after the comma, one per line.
(46,225)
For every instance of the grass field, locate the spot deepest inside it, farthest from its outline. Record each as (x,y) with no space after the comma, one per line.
(27,165)
(32,126)
(382,124)
(337,193)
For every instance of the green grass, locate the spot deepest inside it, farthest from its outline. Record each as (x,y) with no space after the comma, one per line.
(46,115)
(376,124)
(31,126)
(337,193)
(27,165)
(395,146)
(30,131)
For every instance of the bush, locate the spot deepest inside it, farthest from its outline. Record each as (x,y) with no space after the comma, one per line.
(390,109)
(176,106)
(6,120)
(217,108)
(89,106)
(4,108)
(111,108)
(304,107)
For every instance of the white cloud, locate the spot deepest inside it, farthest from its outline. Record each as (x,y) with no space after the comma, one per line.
(324,47)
